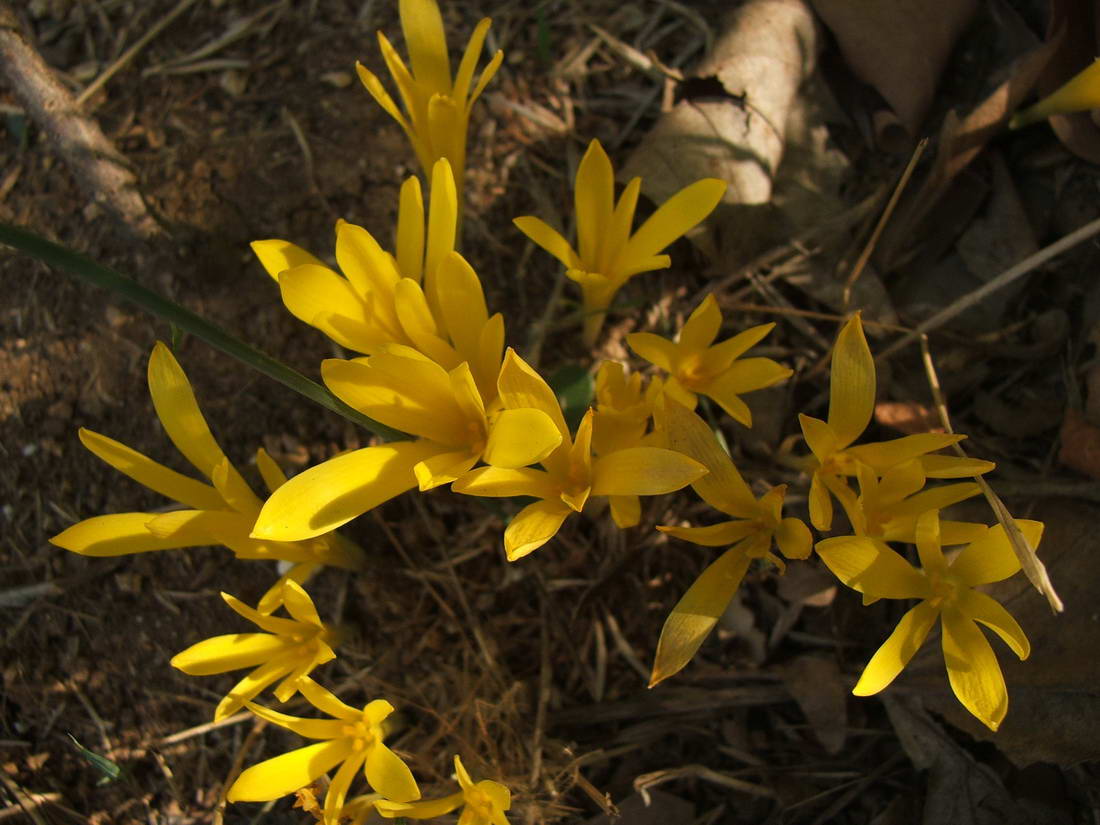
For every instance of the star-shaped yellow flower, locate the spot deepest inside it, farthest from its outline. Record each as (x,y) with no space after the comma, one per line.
(483,803)
(697,365)
(571,475)
(289,650)
(851,405)
(756,524)
(351,739)
(405,390)
(222,512)
(437,110)
(607,254)
(946,590)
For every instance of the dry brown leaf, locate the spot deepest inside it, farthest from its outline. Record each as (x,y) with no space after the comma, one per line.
(907,417)
(815,684)
(1054,696)
(898,46)
(1080,444)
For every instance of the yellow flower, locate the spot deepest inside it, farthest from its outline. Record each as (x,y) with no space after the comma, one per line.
(484,802)
(351,739)
(624,405)
(425,295)
(571,475)
(607,254)
(946,591)
(222,512)
(289,650)
(757,523)
(404,390)
(697,365)
(437,110)
(1080,93)
(851,404)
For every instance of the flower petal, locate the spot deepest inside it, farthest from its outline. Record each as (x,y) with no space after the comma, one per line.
(954,466)
(927,539)
(701,327)
(722,534)
(985,609)
(462,303)
(882,455)
(747,375)
(149,473)
(674,217)
(820,438)
(870,567)
(410,230)
(618,229)
(418,323)
(443,212)
(333,493)
(422,26)
(594,201)
(794,538)
(821,504)
(300,605)
(696,614)
(851,384)
(253,683)
(278,256)
(327,702)
(287,773)
(521,388)
(388,775)
(518,438)
(465,74)
(533,526)
(643,471)
(498,482)
(973,670)
(719,357)
(118,534)
(895,653)
(542,234)
(326,301)
(626,511)
(991,558)
(221,654)
(338,788)
(428,809)
(656,350)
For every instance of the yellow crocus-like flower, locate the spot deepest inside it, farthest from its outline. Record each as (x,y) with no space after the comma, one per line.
(1078,94)
(851,405)
(571,475)
(407,391)
(697,365)
(483,803)
(351,739)
(222,512)
(289,650)
(946,590)
(437,109)
(607,254)
(425,295)
(756,524)
(624,405)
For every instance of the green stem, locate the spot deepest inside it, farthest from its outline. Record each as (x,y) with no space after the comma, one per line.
(88,270)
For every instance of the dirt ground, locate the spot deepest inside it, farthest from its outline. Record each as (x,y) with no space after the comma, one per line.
(536,672)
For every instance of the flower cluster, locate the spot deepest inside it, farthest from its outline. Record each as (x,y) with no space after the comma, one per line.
(431,362)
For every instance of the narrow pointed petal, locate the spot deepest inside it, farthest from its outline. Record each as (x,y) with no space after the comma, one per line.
(374,86)
(675,217)
(719,357)
(656,350)
(643,471)
(991,558)
(410,230)
(533,526)
(722,534)
(821,504)
(696,614)
(626,511)
(338,788)
(895,653)
(419,324)
(462,303)
(324,300)
(519,438)
(1079,93)
(470,55)
(487,74)
(594,201)
(882,455)
(388,775)
(118,534)
(221,654)
(622,220)
(278,256)
(368,267)
(270,471)
(179,413)
(973,670)
(300,605)
(794,538)
(149,473)
(497,482)
(287,773)
(443,468)
(900,482)
(277,625)
(252,685)
(747,375)
(521,387)
(985,609)
(953,533)
(443,209)
(232,487)
(820,437)
(327,702)
(333,493)
(428,809)
(870,567)
(953,466)
(542,234)
(422,26)
(936,498)
(489,357)
(851,383)
(701,327)
(731,404)
(927,539)
(306,728)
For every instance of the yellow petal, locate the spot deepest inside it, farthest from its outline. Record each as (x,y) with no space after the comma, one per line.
(429,809)
(442,225)
(899,482)
(626,511)
(820,438)
(851,384)
(533,526)
(465,74)
(882,455)
(987,610)
(327,702)
(719,357)
(519,438)
(490,353)
(287,773)
(696,614)
(722,534)
(991,558)
(656,350)
(673,218)
(115,535)
(270,471)
(253,684)
(388,775)
(701,328)
(369,268)
(278,256)
(1079,93)
(487,74)
(299,604)
(179,412)
(410,230)
(338,788)
(462,303)
(423,28)
(149,473)
(747,375)
(374,86)
(951,466)
(419,324)
(594,201)
(973,670)
(643,471)
(936,498)
(870,567)
(521,388)
(333,493)
(234,489)
(821,505)
(497,482)
(794,538)
(927,537)
(542,234)
(221,654)
(443,468)
(895,653)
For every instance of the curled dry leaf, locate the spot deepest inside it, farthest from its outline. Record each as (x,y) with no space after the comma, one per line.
(908,417)
(1080,444)
(816,685)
